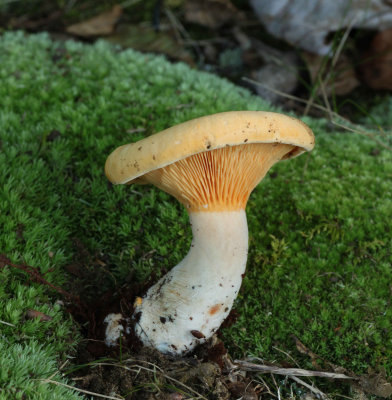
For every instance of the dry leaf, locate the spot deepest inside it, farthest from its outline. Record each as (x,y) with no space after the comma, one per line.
(377,68)
(339,79)
(211,13)
(32,314)
(102,24)
(175,396)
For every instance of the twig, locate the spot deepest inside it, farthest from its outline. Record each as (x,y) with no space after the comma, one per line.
(42,381)
(34,274)
(295,98)
(335,115)
(316,391)
(181,33)
(265,369)
(266,386)
(7,323)
(285,353)
(343,42)
(335,58)
(325,98)
(361,132)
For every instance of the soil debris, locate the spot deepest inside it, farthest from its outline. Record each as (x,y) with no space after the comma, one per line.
(147,374)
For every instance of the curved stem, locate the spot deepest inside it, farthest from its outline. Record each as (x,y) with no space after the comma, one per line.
(187,305)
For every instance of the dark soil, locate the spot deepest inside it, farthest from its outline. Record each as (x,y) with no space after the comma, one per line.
(147,374)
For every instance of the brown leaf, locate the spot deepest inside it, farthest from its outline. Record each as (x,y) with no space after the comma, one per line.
(211,13)
(102,24)
(376,71)
(175,396)
(33,314)
(339,79)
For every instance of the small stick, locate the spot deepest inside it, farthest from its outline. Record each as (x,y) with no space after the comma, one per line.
(43,381)
(34,275)
(335,116)
(265,369)
(316,391)
(7,323)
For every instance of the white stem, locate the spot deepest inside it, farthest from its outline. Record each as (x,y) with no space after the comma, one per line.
(187,305)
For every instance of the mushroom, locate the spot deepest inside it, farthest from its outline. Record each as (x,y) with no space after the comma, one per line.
(211,165)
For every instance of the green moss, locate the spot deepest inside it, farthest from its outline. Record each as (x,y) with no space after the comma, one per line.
(320,237)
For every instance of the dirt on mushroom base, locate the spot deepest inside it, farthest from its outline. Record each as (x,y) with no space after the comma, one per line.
(131,371)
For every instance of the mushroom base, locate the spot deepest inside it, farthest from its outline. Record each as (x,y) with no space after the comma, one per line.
(186,306)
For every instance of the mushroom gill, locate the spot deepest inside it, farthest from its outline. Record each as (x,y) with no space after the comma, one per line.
(220,179)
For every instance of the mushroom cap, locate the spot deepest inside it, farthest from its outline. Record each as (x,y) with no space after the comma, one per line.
(131,161)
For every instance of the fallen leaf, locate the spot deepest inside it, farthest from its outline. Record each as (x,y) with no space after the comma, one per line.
(211,13)
(376,71)
(339,79)
(100,25)
(175,396)
(34,314)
